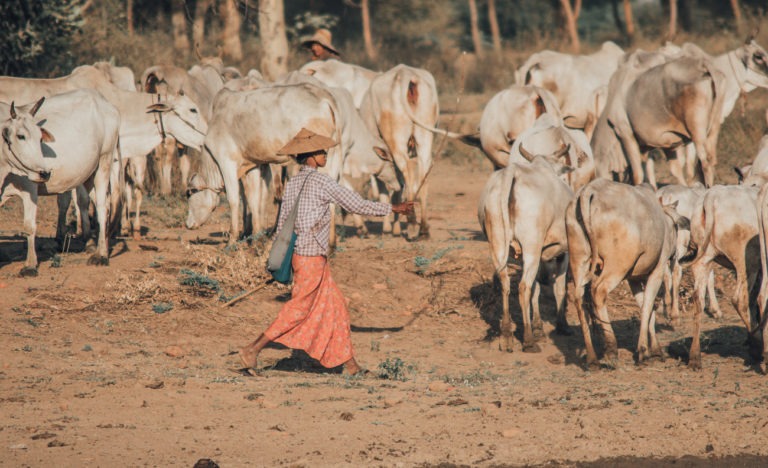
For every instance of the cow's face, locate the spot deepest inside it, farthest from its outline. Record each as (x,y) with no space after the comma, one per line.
(22,140)
(202,202)
(756,61)
(387,175)
(182,120)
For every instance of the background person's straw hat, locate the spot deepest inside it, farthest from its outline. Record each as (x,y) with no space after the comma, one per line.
(323,37)
(306,141)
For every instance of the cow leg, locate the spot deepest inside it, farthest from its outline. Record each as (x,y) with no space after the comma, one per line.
(650,171)
(252,192)
(63,200)
(559,288)
(185,166)
(700,269)
(101,190)
(136,226)
(232,187)
(741,295)
(83,203)
(29,202)
(690,160)
(424,227)
(652,285)
(634,155)
(138,173)
(601,287)
(676,161)
(531,263)
(168,155)
(714,304)
(676,276)
(499,250)
(537,325)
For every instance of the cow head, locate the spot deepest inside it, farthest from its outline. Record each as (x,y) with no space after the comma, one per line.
(387,174)
(755,60)
(202,201)
(182,120)
(558,160)
(682,228)
(21,149)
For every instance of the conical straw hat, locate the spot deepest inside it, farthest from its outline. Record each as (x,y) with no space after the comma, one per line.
(323,37)
(306,141)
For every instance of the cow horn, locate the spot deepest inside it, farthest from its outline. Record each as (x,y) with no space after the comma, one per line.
(36,107)
(752,35)
(563,151)
(13,110)
(197,51)
(220,51)
(527,155)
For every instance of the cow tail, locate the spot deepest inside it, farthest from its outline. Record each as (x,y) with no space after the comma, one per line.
(762,219)
(707,223)
(116,204)
(509,228)
(718,89)
(585,206)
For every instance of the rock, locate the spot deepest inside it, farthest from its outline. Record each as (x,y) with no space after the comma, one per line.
(489,409)
(175,351)
(18,447)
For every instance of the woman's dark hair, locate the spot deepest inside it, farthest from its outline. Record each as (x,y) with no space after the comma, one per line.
(302,158)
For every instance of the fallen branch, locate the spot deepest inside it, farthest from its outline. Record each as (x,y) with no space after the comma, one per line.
(243,296)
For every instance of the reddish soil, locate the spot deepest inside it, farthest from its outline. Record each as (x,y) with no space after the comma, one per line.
(125,365)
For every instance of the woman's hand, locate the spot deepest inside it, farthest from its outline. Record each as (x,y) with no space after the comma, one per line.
(403,208)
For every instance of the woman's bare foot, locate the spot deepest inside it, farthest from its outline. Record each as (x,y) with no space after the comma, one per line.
(351,367)
(248,356)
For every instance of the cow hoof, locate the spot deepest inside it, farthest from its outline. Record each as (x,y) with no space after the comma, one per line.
(694,364)
(136,235)
(28,272)
(563,330)
(538,333)
(90,247)
(531,348)
(98,260)
(424,235)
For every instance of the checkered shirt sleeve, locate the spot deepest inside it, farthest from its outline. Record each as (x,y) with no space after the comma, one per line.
(313,220)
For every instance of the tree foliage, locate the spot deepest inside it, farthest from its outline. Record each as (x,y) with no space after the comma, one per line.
(36,35)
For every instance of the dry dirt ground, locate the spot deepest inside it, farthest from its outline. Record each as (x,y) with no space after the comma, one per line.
(133,364)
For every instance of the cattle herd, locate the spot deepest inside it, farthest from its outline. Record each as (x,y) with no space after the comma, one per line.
(573,195)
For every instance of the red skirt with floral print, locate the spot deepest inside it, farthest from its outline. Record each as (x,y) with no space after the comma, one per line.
(315,319)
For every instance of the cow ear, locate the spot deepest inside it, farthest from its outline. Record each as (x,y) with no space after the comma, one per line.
(564,169)
(310,71)
(673,205)
(382,153)
(158,107)
(46,137)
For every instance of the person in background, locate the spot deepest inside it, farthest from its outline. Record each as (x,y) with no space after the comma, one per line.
(315,319)
(319,45)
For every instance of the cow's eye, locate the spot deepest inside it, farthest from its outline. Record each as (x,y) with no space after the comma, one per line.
(22,137)
(191,191)
(759,58)
(194,111)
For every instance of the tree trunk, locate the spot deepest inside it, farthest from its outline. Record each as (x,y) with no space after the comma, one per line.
(617,18)
(672,20)
(629,21)
(370,50)
(198,27)
(494,23)
(129,16)
(179,25)
(473,25)
(737,16)
(274,60)
(230,36)
(570,25)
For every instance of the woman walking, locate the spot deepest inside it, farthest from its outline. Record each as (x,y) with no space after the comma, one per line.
(315,319)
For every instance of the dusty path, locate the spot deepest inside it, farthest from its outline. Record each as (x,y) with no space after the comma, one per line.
(95,371)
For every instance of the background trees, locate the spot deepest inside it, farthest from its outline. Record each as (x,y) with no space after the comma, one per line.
(48,37)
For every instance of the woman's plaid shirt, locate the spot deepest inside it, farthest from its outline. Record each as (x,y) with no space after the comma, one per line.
(313,220)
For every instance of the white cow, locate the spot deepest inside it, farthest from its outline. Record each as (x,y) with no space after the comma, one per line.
(396,101)
(245,132)
(728,220)
(573,80)
(122,77)
(508,114)
(86,147)
(616,232)
(337,74)
(522,208)
(20,150)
